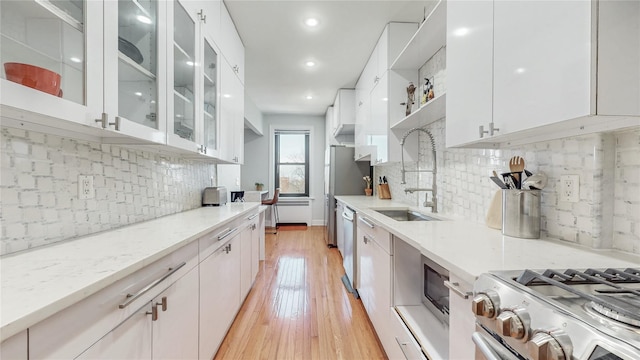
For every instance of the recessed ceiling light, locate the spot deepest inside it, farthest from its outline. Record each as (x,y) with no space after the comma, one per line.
(226,96)
(75,59)
(138,93)
(520,70)
(310,64)
(190,63)
(309,97)
(143,19)
(311,22)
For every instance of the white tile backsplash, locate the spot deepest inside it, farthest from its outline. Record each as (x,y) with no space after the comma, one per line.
(39,180)
(607,215)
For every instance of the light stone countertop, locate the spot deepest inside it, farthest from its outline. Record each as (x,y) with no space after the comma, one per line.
(469,249)
(38,283)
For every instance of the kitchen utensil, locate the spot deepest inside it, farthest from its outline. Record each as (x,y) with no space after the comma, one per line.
(527,172)
(498,182)
(510,180)
(130,50)
(516,165)
(535,182)
(521,213)
(384,179)
(34,77)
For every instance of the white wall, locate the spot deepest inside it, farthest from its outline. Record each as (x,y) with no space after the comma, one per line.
(258,168)
(253,118)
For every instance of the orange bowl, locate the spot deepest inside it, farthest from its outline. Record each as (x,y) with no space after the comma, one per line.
(34,77)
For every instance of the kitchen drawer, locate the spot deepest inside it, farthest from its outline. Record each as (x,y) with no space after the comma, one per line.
(211,242)
(375,232)
(68,333)
(407,344)
(15,347)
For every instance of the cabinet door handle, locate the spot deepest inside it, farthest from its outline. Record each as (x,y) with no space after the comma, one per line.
(132,297)
(116,123)
(455,287)
(202,16)
(163,303)
(492,129)
(153,312)
(364,221)
(221,237)
(482,131)
(365,239)
(104,120)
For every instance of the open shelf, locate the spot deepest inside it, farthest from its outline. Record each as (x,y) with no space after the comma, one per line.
(430,37)
(433,110)
(419,320)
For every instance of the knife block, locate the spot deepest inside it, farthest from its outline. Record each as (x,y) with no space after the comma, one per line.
(383,191)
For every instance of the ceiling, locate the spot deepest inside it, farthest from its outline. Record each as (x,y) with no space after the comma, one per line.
(278,43)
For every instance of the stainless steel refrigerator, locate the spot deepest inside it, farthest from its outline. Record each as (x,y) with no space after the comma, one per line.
(342,176)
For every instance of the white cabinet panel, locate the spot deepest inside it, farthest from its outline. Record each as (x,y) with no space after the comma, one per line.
(15,347)
(175,332)
(231,116)
(231,44)
(130,340)
(469,69)
(219,294)
(539,76)
(245,261)
(461,320)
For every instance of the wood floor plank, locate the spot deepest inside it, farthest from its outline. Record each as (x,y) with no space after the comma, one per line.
(298,307)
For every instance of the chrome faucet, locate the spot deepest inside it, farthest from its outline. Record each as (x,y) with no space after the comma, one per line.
(433,204)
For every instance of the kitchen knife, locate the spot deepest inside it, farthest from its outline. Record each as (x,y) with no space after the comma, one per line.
(498,182)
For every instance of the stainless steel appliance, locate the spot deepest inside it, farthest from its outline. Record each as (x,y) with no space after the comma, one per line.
(342,176)
(349,250)
(582,315)
(435,294)
(214,196)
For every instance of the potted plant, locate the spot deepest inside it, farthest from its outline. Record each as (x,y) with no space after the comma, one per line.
(259,186)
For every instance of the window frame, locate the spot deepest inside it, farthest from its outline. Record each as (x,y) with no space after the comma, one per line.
(277,163)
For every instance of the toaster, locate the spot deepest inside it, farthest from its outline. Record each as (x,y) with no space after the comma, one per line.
(214,196)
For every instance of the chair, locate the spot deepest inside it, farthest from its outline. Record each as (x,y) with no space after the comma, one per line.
(274,208)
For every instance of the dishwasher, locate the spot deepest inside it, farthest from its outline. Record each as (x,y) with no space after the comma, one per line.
(349,253)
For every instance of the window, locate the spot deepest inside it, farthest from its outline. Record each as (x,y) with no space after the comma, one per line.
(292,162)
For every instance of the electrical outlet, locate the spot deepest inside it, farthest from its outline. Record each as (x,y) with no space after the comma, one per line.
(85,187)
(569,189)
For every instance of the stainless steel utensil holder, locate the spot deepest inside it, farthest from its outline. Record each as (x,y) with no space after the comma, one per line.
(521,213)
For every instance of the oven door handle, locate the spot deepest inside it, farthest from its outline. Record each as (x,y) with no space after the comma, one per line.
(489,352)
(484,347)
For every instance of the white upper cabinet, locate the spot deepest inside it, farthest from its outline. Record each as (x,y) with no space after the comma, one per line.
(231,44)
(231,115)
(469,78)
(135,99)
(59,46)
(345,112)
(193,106)
(378,99)
(556,69)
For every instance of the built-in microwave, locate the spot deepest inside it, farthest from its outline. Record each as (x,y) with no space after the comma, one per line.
(435,295)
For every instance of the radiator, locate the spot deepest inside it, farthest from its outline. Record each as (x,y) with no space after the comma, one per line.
(294,211)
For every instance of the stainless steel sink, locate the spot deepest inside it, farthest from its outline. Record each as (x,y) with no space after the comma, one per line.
(406,215)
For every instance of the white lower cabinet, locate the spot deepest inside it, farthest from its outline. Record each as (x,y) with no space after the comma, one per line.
(374,278)
(219,291)
(162,329)
(405,342)
(118,320)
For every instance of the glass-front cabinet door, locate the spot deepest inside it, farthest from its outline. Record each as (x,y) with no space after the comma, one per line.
(210,98)
(135,63)
(51,54)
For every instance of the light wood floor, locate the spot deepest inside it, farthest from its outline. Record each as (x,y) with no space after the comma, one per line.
(298,307)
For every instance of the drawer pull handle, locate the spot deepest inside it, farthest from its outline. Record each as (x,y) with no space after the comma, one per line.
(153,312)
(455,288)
(133,297)
(221,237)
(403,345)
(364,220)
(252,217)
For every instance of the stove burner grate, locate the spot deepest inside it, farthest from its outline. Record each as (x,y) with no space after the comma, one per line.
(624,307)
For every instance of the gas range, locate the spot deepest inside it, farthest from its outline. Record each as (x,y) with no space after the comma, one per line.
(551,314)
